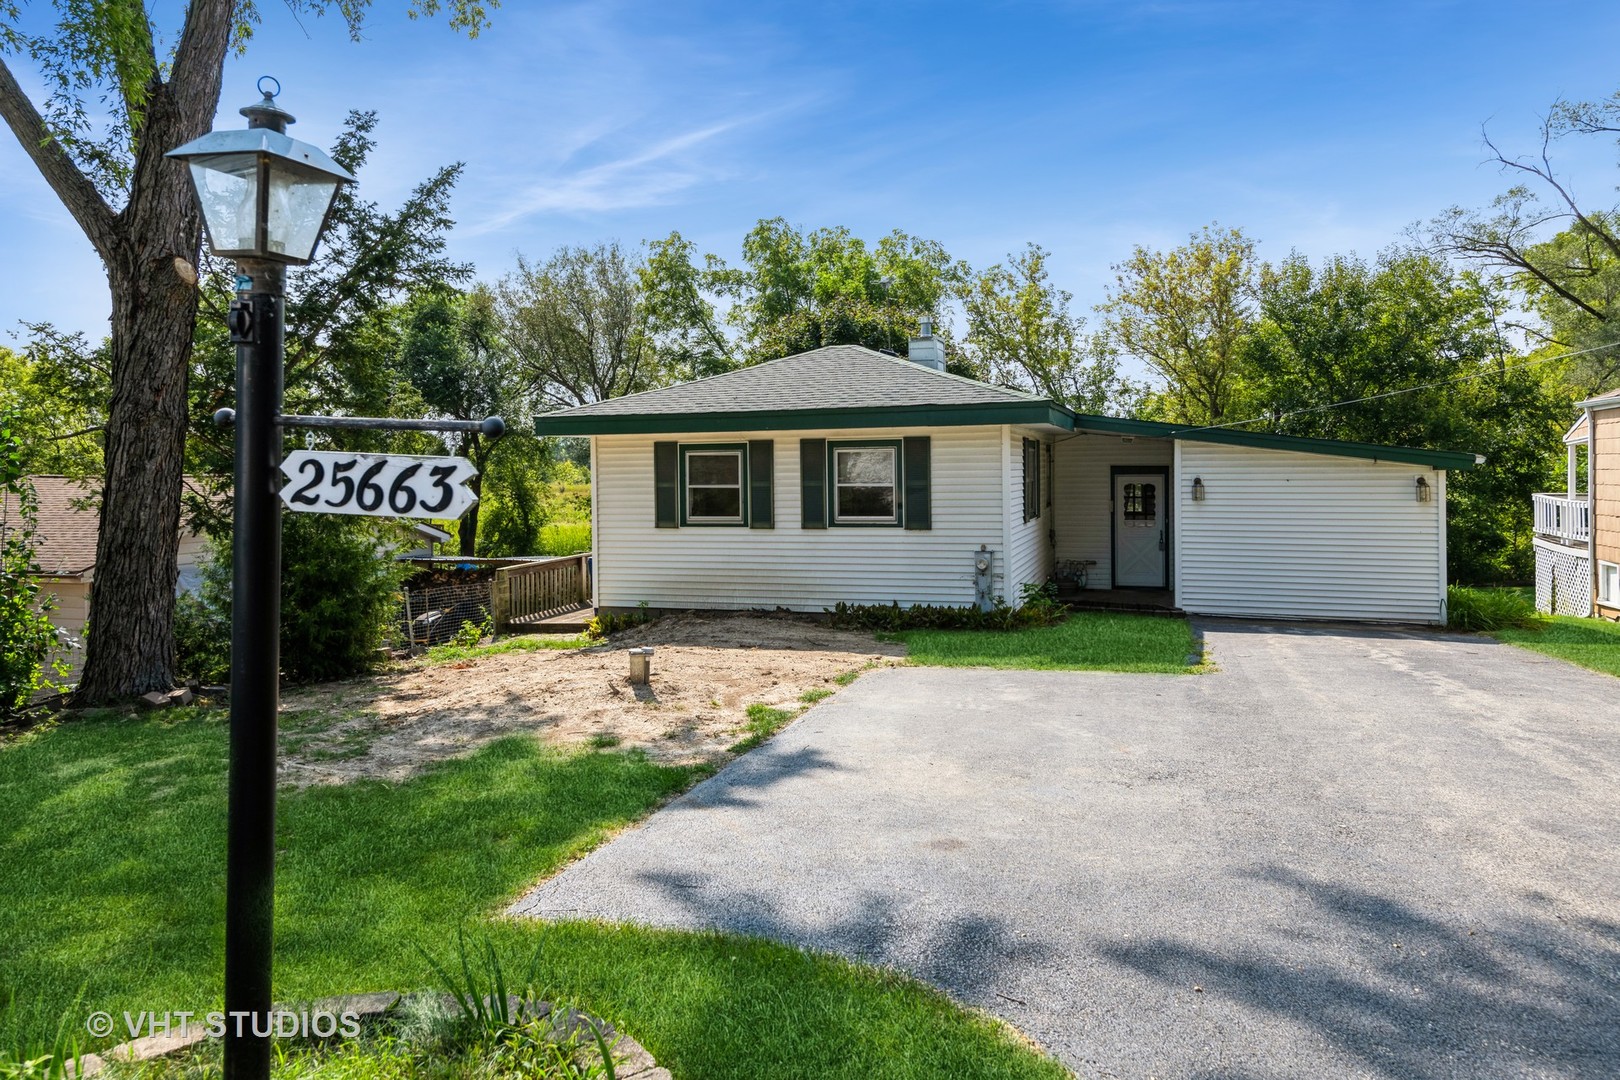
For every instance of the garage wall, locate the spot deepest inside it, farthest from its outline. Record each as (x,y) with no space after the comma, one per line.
(789,566)
(1084,494)
(1284,534)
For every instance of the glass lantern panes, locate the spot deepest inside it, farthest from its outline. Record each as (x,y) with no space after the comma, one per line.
(865,482)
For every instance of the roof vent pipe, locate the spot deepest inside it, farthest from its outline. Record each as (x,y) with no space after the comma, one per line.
(925,348)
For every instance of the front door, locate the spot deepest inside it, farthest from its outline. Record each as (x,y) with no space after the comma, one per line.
(1139,529)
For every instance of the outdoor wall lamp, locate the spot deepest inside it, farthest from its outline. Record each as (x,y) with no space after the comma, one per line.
(265,200)
(1198,489)
(1422,489)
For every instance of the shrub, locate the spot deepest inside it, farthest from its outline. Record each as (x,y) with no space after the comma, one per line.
(1040,609)
(610,623)
(339,593)
(1490,609)
(26,634)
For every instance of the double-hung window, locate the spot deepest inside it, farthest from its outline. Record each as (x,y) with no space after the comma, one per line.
(715,485)
(866,483)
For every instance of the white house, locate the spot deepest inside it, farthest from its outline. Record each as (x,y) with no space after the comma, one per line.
(844,474)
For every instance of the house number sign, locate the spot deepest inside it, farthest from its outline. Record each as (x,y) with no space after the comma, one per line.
(377,485)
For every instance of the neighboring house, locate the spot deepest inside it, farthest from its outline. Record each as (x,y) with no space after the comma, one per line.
(1578,533)
(844,474)
(65,548)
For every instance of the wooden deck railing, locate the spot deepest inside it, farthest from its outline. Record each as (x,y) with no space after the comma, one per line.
(532,591)
(1563,517)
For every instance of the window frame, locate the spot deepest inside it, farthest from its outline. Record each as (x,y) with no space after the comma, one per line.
(897,449)
(740,451)
(1610,599)
(1031,451)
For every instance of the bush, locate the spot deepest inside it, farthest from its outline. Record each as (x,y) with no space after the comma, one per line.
(339,594)
(610,623)
(1040,609)
(1490,609)
(565,539)
(26,634)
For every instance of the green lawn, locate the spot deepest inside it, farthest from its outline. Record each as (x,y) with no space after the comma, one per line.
(1085,641)
(111,850)
(1591,643)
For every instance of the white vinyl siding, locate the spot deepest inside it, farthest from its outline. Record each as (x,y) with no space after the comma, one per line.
(789,566)
(1029,552)
(1082,501)
(1291,535)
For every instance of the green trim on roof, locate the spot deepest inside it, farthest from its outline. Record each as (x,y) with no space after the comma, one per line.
(882,416)
(1265,440)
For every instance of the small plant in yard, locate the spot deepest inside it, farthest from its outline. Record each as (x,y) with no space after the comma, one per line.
(609,622)
(819,693)
(763,722)
(603,741)
(1485,610)
(472,633)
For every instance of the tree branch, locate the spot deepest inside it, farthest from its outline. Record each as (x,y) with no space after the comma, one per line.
(75,189)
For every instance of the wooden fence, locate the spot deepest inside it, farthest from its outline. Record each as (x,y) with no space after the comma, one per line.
(530,592)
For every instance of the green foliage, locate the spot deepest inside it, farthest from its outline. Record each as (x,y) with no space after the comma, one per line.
(453,654)
(1085,641)
(533,501)
(339,593)
(763,722)
(815,694)
(26,634)
(55,393)
(566,539)
(890,618)
(1020,333)
(609,622)
(1187,314)
(1486,610)
(472,633)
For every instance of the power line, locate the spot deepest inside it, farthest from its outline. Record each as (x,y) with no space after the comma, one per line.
(1395,393)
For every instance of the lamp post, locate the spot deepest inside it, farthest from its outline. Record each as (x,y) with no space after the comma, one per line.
(265,201)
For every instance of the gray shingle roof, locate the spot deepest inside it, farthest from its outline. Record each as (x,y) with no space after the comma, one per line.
(832,377)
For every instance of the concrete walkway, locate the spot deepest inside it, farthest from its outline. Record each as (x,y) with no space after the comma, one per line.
(1345,853)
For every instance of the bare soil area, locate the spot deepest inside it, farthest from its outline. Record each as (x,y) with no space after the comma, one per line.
(706,672)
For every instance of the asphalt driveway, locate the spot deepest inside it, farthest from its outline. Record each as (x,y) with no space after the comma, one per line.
(1344,853)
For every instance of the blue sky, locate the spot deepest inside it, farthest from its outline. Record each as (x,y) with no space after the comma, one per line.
(1089,127)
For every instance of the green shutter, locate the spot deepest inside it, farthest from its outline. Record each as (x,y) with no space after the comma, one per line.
(761,484)
(813,483)
(918,480)
(667,484)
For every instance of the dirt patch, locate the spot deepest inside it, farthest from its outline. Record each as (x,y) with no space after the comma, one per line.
(706,672)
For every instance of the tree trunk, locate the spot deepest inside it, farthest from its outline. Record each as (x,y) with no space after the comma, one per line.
(151,272)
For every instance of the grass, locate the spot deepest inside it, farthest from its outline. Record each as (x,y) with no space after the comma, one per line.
(820,693)
(112,841)
(450,654)
(1085,641)
(1591,643)
(763,722)
(565,539)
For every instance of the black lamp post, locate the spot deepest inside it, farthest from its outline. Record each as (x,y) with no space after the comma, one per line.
(265,200)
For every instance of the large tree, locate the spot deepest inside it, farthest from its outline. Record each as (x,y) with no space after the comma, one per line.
(1562,254)
(1186,314)
(1020,333)
(577,327)
(138,212)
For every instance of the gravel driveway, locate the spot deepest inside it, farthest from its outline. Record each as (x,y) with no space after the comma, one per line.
(1344,853)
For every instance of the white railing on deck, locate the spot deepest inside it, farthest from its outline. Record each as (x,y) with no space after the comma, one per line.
(1563,517)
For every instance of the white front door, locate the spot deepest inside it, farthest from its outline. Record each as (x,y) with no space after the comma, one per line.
(1139,529)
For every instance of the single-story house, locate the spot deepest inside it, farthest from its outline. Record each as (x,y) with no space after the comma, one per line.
(845,474)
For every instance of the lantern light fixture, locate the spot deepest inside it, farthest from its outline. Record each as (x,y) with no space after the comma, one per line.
(1422,489)
(1198,489)
(265,196)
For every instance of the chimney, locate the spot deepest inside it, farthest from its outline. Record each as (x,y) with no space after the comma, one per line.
(925,348)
